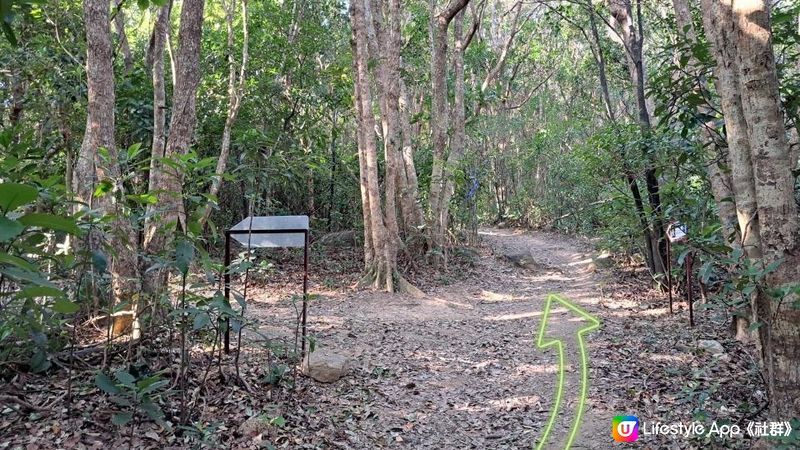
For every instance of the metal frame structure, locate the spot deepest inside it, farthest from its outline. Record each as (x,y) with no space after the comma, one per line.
(227,278)
(689,258)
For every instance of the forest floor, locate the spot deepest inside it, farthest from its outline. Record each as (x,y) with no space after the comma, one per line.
(459,368)
(456,369)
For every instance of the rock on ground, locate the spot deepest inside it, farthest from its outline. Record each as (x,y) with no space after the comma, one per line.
(345,238)
(326,366)
(523,260)
(711,346)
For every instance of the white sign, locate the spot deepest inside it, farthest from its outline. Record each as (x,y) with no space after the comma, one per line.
(250,231)
(676,232)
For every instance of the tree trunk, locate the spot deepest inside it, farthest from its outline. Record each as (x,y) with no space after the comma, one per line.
(122,38)
(236,81)
(439,122)
(718,177)
(777,211)
(379,272)
(168,213)
(92,166)
(459,119)
(633,40)
(155,59)
(718,26)
(387,54)
(413,216)
(629,177)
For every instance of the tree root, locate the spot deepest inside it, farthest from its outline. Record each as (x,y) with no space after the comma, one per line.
(405,287)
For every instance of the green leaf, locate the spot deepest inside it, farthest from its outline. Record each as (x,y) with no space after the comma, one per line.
(26,275)
(10,36)
(65,306)
(40,291)
(135,149)
(151,384)
(39,362)
(184,254)
(278,421)
(125,378)
(106,384)
(14,195)
(200,321)
(12,260)
(121,419)
(51,222)
(144,199)
(99,262)
(152,410)
(103,188)
(9,229)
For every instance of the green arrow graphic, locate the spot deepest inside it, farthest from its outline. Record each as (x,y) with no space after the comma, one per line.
(545,342)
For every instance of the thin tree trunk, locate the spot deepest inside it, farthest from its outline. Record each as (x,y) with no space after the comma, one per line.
(122,38)
(156,61)
(380,271)
(413,216)
(168,214)
(459,119)
(633,40)
(630,179)
(236,85)
(718,178)
(439,119)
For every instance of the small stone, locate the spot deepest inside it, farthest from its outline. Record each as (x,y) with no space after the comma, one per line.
(523,260)
(345,238)
(325,366)
(711,346)
(261,423)
(601,261)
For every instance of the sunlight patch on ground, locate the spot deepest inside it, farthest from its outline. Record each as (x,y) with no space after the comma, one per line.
(581,262)
(518,316)
(492,297)
(663,357)
(509,403)
(531,369)
(451,303)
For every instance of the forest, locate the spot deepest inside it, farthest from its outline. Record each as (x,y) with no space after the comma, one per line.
(416,224)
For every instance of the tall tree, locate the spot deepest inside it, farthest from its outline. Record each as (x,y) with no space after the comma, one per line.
(632,36)
(740,34)
(236,91)
(98,163)
(437,221)
(717,165)
(380,222)
(168,214)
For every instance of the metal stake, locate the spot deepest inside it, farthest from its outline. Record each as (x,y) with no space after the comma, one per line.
(669,273)
(689,288)
(305,296)
(227,282)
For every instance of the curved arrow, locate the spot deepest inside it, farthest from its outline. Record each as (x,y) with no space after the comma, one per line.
(545,342)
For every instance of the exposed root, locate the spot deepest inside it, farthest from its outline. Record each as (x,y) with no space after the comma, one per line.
(405,287)
(368,279)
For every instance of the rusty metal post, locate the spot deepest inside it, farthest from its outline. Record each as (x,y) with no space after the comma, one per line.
(689,288)
(305,296)
(669,273)
(227,288)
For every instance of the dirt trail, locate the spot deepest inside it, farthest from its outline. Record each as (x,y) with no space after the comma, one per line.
(458,368)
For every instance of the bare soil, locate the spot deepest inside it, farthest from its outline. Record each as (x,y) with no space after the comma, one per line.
(459,368)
